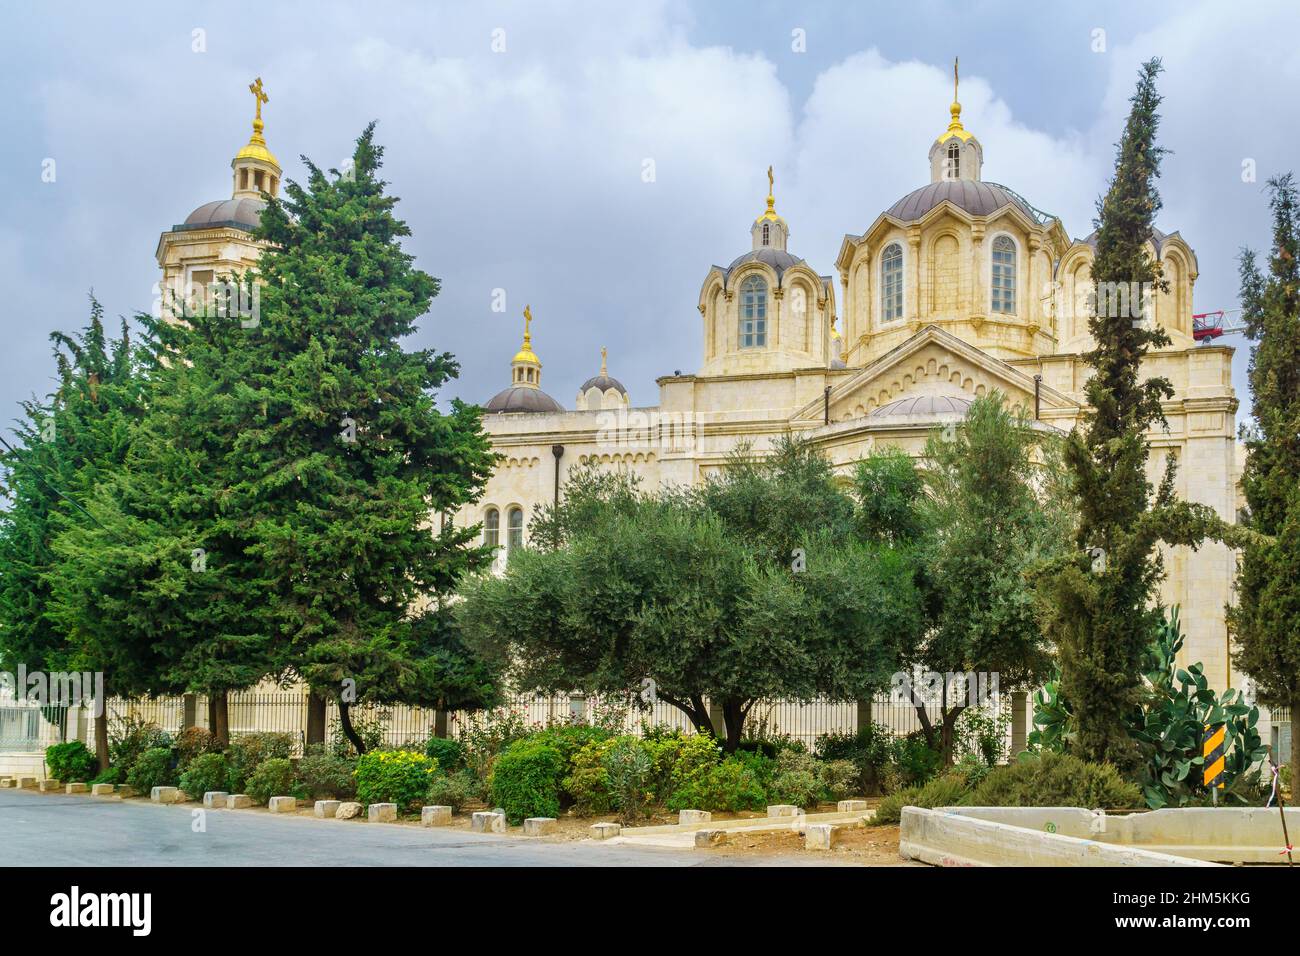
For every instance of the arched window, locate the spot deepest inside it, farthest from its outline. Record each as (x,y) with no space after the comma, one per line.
(1004,275)
(514,530)
(891,283)
(954,161)
(767,233)
(492,528)
(753,313)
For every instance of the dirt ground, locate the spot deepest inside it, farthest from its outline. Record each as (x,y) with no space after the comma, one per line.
(865,846)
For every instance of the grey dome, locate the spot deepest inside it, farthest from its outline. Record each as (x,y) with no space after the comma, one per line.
(519,398)
(604,383)
(922,405)
(976,197)
(237,213)
(776,258)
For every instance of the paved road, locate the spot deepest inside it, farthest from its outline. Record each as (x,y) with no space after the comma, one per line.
(60,830)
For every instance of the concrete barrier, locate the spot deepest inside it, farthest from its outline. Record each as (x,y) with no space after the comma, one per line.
(50,786)
(26,783)
(948,838)
(436,816)
(166,795)
(325,809)
(77,788)
(283,804)
(686,817)
(238,801)
(488,821)
(778,810)
(540,826)
(101,790)
(851,806)
(605,831)
(821,836)
(382,813)
(215,799)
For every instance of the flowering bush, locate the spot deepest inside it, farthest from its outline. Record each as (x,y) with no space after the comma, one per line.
(402,777)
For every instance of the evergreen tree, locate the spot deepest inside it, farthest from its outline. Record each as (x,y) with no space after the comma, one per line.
(1268,580)
(357,469)
(66,447)
(1100,606)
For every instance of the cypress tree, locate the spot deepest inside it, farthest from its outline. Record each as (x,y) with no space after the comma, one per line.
(1268,578)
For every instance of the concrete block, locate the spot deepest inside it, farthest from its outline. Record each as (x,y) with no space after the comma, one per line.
(782,810)
(238,801)
(27,783)
(821,836)
(166,795)
(540,826)
(709,838)
(347,811)
(283,804)
(435,816)
(7,783)
(485,821)
(603,831)
(325,809)
(77,788)
(50,786)
(382,813)
(101,789)
(215,799)
(851,806)
(693,816)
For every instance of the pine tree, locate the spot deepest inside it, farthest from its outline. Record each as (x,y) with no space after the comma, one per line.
(359,471)
(1100,605)
(67,446)
(1268,580)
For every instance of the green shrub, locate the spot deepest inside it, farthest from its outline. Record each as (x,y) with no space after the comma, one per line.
(402,777)
(729,786)
(449,753)
(272,778)
(325,774)
(207,771)
(840,779)
(912,762)
(190,743)
(453,789)
(484,736)
(249,751)
(71,762)
(525,779)
(950,790)
(630,771)
(588,784)
(797,779)
(153,768)
(112,775)
(130,736)
(687,763)
(1056,780)
(568,739)
(868,749)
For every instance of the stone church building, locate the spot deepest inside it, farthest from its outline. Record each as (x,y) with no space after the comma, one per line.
(960,287)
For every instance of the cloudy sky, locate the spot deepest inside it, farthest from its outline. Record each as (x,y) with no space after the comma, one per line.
(523,169)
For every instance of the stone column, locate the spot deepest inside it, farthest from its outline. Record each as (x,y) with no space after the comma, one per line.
(912,312)
(1019,721)
(979,301)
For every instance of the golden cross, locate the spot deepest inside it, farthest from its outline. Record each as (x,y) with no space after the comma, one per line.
(259,96)
(528,317)
(954,79)
(770,180)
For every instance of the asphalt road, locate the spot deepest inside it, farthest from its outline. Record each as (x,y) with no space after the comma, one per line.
(59,830)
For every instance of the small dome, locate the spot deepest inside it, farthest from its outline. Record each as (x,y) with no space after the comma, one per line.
(239,213)
(522,399)
(922,405)
(778,259)
(976,197)
(604,383)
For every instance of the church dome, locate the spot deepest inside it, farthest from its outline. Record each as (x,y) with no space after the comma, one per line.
(243,214)
(604,383)
(519,398)
(778,259)
(976,197)
(922,405)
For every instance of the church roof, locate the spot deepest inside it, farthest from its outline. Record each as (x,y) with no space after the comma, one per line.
(603,382)
(237,213)
(776,258)
(519,398)
(975,196)
(1157,238)
(922,405)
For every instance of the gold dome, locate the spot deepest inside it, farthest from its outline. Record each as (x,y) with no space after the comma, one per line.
(256,148)
(526,355)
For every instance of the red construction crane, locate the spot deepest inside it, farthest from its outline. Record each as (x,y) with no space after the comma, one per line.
(1208,326)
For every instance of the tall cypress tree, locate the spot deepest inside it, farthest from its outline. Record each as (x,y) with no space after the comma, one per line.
(1264,622)
(359,469)
(1100,606)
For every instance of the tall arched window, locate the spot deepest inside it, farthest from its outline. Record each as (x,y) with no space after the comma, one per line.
(753,313)
(514,530)
(1004,275)
(492,528)
(954,161)
(891,283)
(767,234)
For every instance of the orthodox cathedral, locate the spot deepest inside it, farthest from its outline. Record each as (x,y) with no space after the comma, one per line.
(960,287)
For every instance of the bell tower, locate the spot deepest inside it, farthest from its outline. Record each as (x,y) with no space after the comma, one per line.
(956,154)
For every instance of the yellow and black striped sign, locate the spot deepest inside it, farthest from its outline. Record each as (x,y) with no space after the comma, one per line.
(1213,750)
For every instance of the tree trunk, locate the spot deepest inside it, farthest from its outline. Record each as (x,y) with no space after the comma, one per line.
(948,735)
(733,713)
(926,727)
(101,731)
(315,718)
(1295,745)
(345,721)
(219,710)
